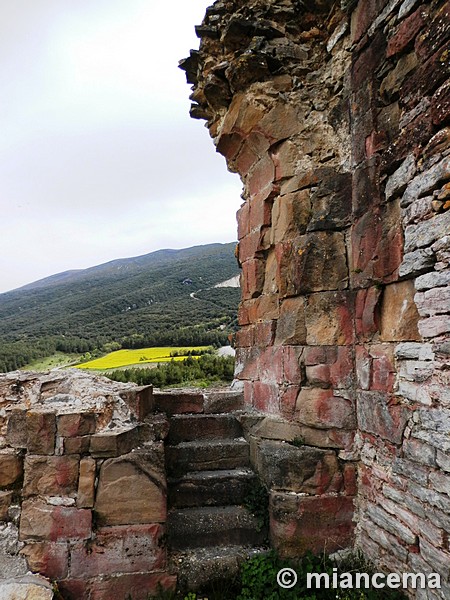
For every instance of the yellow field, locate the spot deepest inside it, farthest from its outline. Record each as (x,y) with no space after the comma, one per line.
(141,356)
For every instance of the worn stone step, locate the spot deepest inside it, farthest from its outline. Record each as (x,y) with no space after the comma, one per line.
(201,568)
(223,400)
(206,455)
(184,428)
(174,402)
(202,527)
(211,488)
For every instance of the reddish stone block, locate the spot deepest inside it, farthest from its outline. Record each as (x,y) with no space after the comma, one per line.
(263,308)
(127,549)
(288,401)
(383,368)
(368,61)
(363,16)
(247,362)
(253,272)
(270,364)
(280,123)
(41,521)
(322,409)
(366,186)
(47,558)
(139,586)
(264,333)
(341,370)
(260,212)
(377,246)
(111,443)
(367,312)
(10,469)
(76,424)
(293,372)
(406,32)
(316,355)
(265,397)
(243,220)
(245,160)
(261,176)
(76,445)
(249,246)
(245,337)
(294,523)
(51,476)
(41,428)
(86,483)
(229,145)
(350,479)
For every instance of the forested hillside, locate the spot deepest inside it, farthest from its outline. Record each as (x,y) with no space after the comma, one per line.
(163,298)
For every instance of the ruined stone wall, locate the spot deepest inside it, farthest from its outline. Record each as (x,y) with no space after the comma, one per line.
(335,115)
(82,487)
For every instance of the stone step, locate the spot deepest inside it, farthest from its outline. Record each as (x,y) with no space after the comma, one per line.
(202,527)
(201,568)
(211,488)
(223,400)
(174,402)
(206,455)
(185,428)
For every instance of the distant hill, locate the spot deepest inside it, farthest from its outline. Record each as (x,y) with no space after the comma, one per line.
(166,297)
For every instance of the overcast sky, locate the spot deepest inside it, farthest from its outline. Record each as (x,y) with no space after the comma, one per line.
(98,156)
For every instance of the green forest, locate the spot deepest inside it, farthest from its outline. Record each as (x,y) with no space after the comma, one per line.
(165,298)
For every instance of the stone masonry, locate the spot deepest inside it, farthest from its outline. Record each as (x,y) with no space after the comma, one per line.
(336,117)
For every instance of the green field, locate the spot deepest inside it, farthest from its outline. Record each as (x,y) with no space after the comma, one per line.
(141,356)
(58,359)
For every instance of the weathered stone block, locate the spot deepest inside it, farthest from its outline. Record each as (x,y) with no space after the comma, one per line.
(126,549)
(329,319)
(367,312)
(331,201)
(337,373)
(132,489)
(291,326)
(398,181)
(298,469)
(435,34)
(290,215)
(312,262)
(41,521)
(75,424)
(434,326)
(406,32)
(50,476)
(320,408)
(41,430)
(440,105)
(433,302)
(10,469)
(266,397)
(86,483)
(16,434)
(178,402)
(377,415)
(76,445)
(294,519)
(50,559)
(253,271)
(399,315)
(30,587)
(137,585)
(140,401)
(425,233)
(114,442)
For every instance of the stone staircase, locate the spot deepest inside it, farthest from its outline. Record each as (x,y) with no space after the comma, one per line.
(209,531)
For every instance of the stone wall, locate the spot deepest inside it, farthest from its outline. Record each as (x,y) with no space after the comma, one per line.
(82,487)
(336,117)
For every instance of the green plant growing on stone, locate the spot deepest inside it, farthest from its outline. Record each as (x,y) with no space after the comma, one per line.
(298,441)
(257,502)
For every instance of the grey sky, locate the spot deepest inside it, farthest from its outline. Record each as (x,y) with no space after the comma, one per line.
(98,156)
